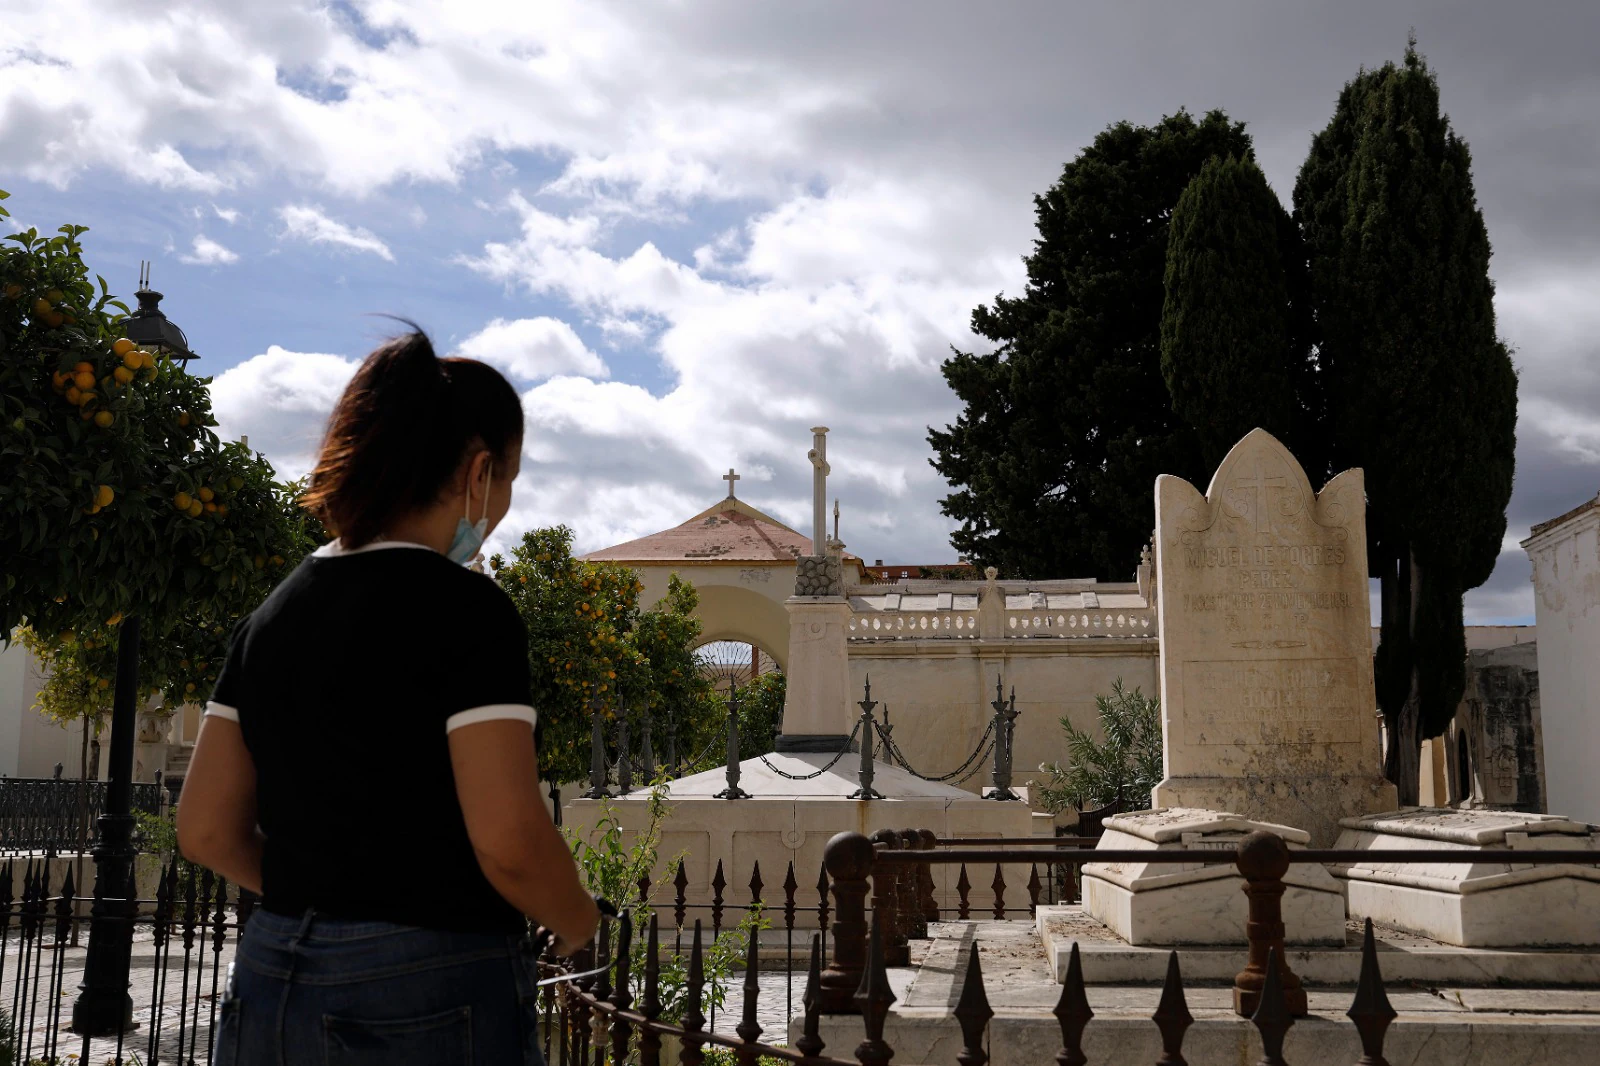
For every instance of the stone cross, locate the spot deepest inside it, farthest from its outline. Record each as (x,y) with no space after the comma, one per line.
(730,477)
(819,489)
(1261,484)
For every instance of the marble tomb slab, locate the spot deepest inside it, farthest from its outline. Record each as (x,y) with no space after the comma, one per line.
(1480,904)
(1196,903)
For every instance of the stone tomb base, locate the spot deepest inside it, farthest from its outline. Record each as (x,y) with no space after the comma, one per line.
(1479,905)
(1167,904)
(791,821)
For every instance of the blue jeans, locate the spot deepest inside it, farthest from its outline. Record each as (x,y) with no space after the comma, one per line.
(331,992)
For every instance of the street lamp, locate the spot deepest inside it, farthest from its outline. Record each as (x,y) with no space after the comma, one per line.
(148,327)
(103,1006)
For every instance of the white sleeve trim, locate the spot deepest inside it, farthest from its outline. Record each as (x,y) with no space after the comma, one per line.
(494,712)
(222,710)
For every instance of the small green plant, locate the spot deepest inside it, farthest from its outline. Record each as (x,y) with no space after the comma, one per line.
(1127,763)
(157,834)
(612,867)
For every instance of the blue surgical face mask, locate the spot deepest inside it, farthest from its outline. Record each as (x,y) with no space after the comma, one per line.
(469,534)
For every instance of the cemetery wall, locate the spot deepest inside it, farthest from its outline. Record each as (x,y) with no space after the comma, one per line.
(938,693)
(1565,553)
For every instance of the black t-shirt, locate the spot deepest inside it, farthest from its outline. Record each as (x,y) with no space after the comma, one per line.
(345,683)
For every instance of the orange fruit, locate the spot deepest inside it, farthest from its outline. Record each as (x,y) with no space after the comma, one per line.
(67,317)
(189,687)
(210,508)
(236,483)
(196,509)
(222,510)
(13,290)
(149,370)
(74,396)
(41,307)
(181,501)
(59,380)
(183,418)
(122,375)
(54,319)
(55,296)
(103,495)
(206,495)
(86,397)
(133,360)
(114,619)
(103,419)
(277,560)
(86,414)
(103,684)
(122,346)
(83,379)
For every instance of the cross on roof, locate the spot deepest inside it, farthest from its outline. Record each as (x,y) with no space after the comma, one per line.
(730,477)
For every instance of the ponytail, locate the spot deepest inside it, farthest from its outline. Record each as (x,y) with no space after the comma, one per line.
(399,433)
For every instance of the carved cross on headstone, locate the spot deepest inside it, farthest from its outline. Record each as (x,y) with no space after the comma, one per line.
(1261,484)
(730,477)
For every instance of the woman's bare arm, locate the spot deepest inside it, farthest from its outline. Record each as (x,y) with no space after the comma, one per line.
(519,849)
(217,809)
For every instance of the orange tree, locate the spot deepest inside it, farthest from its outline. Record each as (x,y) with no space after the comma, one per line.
(117,499)
(590,645)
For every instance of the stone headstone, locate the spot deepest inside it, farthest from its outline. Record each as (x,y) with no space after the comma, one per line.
(1266,650)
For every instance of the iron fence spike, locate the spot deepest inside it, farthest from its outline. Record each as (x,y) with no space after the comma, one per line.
(973,1013)
(1072,1013)
(1272,1018)
(1371,1010)
(1172,1016)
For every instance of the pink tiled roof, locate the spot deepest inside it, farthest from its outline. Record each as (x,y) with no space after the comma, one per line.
(731,531)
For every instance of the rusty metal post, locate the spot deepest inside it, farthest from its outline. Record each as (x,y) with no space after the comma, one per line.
(848,860)
(1263,859)
(912,924)
(929,891)
(887,891)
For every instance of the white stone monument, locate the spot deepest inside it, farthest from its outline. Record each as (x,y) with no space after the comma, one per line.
(1481,905)
(1267,697)
(1200,903)
(817,711)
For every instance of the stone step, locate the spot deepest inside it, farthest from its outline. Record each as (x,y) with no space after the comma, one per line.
(1405,958)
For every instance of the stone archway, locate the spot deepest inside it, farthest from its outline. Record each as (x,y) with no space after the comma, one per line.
(730,612)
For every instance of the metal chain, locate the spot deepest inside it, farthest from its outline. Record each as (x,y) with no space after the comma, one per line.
(972,765)
(843,751)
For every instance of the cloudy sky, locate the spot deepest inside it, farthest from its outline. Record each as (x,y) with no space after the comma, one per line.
(690,231)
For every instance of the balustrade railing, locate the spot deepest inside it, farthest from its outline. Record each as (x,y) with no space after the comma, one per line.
(869,625)
(54,814)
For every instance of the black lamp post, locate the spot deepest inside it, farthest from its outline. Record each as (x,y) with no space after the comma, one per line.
(148,327)
(103,1006)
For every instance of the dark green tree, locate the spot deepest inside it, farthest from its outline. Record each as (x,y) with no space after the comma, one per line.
(1421,391)
(1233,351)
(1067,422)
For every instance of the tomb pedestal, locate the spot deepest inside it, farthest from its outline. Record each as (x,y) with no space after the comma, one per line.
(816,708)
(1193,903)
(1478,905)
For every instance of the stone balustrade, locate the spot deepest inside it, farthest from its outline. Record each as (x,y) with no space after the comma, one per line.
(979,611)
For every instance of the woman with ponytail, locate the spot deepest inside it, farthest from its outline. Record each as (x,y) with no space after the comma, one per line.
(367,762)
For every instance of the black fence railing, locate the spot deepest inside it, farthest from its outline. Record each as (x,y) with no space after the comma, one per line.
(609,1004)
(56,815)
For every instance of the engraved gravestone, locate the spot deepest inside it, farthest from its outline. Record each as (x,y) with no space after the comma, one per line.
(1266,656)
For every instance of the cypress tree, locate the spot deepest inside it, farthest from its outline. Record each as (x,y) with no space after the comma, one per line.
(1067,422)
(1421,391)
(1232,352)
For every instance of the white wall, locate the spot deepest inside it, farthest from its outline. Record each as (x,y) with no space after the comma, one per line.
(1566,577)
(31,744)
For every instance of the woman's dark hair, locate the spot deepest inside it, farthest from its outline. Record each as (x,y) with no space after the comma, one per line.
(399,434)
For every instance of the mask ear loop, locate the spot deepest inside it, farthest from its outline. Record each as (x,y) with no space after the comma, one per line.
(488,482)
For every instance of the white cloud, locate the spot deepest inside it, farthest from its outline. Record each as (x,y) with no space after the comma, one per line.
(229,215)
(281,401)
(311,224)
(533,348)
(208,252)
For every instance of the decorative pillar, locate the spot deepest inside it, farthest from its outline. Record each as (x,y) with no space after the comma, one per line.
(848,860)
(1263,860)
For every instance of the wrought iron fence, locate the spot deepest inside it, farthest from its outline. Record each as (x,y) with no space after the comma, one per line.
(51,814)
(874,897)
